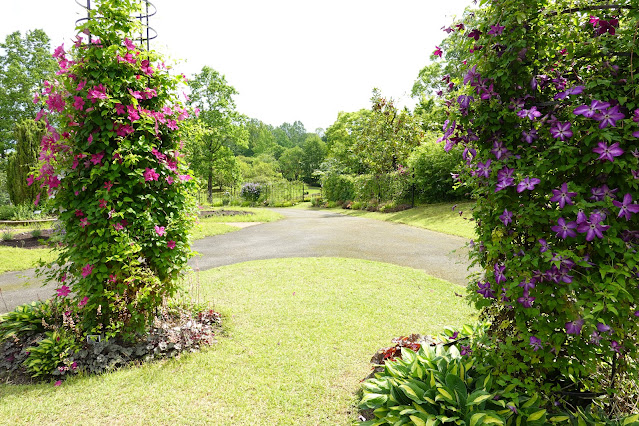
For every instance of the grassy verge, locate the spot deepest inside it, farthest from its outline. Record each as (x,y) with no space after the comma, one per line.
(259,215)
(18,259)
(301,332)
(436,217)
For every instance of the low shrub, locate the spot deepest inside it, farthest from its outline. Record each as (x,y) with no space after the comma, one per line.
(43,340)
(24,212)
(317,201)
(357,205)
(6,235)
(7,212)
(251,192)
(337,187)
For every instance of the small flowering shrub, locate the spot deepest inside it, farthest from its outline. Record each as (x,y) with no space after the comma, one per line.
(251,192)
(543,101)
(113,168)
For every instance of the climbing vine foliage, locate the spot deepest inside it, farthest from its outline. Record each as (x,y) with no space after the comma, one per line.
(111,162)
(545,105)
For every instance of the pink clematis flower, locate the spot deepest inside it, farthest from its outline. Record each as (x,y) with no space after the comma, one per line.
(87,270)
(438,51)
(170,244)
(102,203)
(78,103)
(63,291)
(108,185)
(83,302)
(150,174)
(160,230)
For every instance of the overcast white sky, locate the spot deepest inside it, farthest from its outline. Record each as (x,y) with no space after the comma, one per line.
(289,59)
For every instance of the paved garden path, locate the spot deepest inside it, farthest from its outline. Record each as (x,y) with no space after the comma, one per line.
(302,233)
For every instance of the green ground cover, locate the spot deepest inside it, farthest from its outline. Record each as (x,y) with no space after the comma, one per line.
(436,217)
(298,345)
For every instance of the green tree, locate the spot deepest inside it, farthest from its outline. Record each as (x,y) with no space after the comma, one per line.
(388,137)
(290,163)
(341,137)
(25,64)
(219,125)
(295,133)
(260,138)
(28,135)
(314,152)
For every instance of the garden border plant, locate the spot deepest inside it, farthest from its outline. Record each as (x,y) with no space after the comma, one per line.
(543,99)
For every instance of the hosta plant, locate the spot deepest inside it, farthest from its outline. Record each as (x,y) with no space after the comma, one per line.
(437,385)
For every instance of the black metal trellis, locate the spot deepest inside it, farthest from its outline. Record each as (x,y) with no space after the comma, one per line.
(147,33)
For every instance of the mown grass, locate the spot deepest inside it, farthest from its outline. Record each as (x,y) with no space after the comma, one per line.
(258,215)
(301,332)
(436,217)
(18,259)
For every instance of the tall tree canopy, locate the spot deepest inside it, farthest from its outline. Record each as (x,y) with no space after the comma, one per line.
(219,125)
(25,63)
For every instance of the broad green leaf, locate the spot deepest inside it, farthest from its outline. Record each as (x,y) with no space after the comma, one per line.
(536,415)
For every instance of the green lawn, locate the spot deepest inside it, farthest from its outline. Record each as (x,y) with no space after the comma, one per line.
(436,217)
(301,332)
(18,259)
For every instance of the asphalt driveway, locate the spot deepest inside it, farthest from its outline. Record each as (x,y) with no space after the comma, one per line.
(302,233)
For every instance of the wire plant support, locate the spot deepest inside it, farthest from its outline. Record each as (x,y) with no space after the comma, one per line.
(147,33)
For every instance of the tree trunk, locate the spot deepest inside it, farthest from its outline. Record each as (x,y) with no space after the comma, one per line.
(210,186)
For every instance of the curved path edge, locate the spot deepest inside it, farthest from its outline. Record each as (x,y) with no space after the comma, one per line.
(302,233)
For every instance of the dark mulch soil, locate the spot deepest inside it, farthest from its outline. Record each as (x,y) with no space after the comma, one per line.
(222,212)
(28,241)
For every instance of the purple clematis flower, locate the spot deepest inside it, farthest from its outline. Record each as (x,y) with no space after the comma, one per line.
(574,327)
(506,217)
(499,273)
(609,117)
(527,285)
(474,34)
(626,208)
(564,229)
(527,184)
(590,111)
(595,338)
(561,131)
(577,90)
(592,226)
(472,75)
(483,169)
(485,290)
(563,196)
(615,346)
(535,343)
(635,134)
(544,245)
(526,300)
(600,193)
(504,179)
(603,328)
(496,29)
(608,152)
(531,113)
(529,136)
(499,150)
